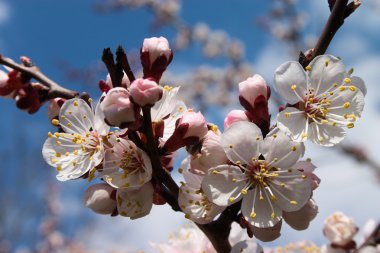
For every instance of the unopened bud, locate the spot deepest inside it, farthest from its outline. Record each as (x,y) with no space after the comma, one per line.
(339,229)
(234,116)
(189,130)
(145,92)
(98,198)
(251,89)
(155,56)
(118,109)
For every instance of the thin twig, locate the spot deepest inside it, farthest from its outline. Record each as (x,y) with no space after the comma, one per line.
(340,10)
(55,90)
(122,59)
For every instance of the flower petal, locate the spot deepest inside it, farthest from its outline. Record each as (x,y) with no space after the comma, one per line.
(260,211)
(135,203)
(76,117)
(291,188)
(289,74)
(247,246)
(300,220)
(279,150)
(223,184)
(268,234)
(359,83)
(293,122)
(326,135)
(325,71)
(346,102)
(176,113)
(241,142)
(99,125)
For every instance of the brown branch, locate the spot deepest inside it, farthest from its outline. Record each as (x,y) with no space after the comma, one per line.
(55,90)
(122,59)
(217,231)
(340,10)
(158,172)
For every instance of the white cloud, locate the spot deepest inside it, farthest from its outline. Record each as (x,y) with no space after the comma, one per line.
(4,12)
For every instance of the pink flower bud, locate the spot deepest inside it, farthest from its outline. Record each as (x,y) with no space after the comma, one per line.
(54,107)
(252,89)
(195,124)
(118,109)
(145,92)
(189,130)
(339,229)
(155,56)
(98,198)
(234,116)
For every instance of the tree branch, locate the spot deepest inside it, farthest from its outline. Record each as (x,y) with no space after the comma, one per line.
(55,90)
(122,59)
(158,172)
(339,11)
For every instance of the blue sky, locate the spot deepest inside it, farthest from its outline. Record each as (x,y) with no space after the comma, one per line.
(71,31)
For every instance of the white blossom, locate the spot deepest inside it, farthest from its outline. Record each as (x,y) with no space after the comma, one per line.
(326,99)
(79,149)
(261,174)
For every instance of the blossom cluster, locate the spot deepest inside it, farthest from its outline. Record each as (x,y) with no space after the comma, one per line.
(338,229)
(252,167)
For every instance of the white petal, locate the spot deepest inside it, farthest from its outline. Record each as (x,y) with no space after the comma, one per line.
(359,83)
(326,135)
(164,107)
(177,112)
(223,183)
(135,203)
(194,203)
(323,77)
(268,234)
(300,219)
(261,213)
(247,246)
(354,98)
(100,126)
(292,189)
(279,150)
(76,116)
(307,168)
(293,121)
(241,142)
(289,74)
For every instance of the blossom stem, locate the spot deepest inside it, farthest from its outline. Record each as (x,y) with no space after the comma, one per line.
(55,90)
(158,172)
